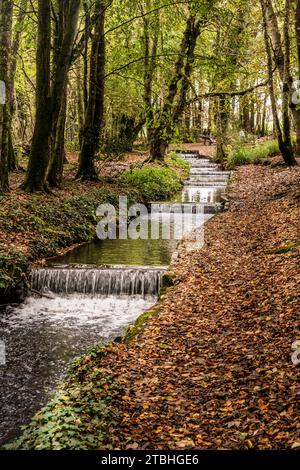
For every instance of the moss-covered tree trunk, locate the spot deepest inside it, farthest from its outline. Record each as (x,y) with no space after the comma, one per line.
(57,141)
(281,59)
(58,154)
(94,116)
(48,98)
(38,161)
(6,13)
(283,136)
(222,129)
(16,41)
(163,127)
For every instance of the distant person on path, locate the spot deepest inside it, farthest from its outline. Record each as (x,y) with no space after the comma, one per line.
(207,137)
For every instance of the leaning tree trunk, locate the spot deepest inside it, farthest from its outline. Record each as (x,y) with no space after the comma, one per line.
(161,132)
(6,12)
(94,117)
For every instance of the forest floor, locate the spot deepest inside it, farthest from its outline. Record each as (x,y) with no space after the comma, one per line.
(212,369)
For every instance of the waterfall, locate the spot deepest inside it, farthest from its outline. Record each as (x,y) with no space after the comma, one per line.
(99,281)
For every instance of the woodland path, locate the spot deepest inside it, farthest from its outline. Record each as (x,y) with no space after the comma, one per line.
(213,370)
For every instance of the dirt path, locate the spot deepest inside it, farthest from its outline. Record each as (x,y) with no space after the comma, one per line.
(214,369)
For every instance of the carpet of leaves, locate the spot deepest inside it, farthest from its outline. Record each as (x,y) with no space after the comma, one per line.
(213,370)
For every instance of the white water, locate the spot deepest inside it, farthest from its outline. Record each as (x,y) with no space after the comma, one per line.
(105,281)
(105,315)
(42,336)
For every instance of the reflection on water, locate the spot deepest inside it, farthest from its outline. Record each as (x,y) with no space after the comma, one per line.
(127,252)
(202,194)
(42,336)
(167,228)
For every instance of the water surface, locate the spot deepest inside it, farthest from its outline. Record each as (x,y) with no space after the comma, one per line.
(42,336)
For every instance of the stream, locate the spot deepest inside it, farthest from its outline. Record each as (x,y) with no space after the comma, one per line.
(94,292)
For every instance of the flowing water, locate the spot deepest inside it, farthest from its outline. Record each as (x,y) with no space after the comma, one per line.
(91,295)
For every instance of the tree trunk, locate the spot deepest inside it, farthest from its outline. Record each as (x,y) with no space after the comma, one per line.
(284,146)
(161,132)
(57,141)
(94,116)
(286,86)
(222,130)
(12,160)
(58,154)
(6,12)
(150,53)
(80,106)
(280,60)
(296,115)
(49,102)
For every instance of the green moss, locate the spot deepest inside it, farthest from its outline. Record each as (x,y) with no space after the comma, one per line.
(13,265)
(168,282)
(138,326)
(179,163)
(169,279)
(286,249)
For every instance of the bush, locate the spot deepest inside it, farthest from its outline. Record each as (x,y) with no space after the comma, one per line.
(178,162)
(154,182)
(252,155)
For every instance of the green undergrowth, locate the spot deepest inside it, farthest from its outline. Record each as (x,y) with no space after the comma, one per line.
(245,155)
(12,267)
(158,182)
(179,163)
(78,417)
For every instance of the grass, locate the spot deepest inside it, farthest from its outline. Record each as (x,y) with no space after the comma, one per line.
(252,155)
(179,163)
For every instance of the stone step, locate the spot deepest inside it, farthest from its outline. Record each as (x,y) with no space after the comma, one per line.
(187,208)
(210,173)
(215,184)
(208,178)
